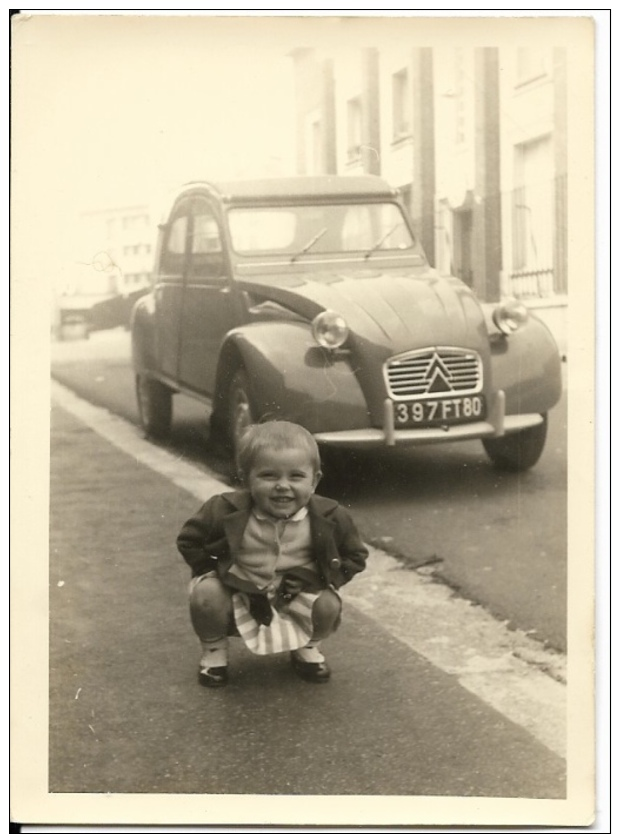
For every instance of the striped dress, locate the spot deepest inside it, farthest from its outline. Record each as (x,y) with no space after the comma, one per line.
(289,629)
(270,548)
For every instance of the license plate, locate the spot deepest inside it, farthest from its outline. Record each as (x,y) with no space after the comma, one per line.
(438,412)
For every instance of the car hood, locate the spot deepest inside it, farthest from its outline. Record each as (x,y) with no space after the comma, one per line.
(399,309)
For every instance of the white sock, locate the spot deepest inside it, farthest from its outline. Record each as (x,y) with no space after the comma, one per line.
(214,653)
(310,653)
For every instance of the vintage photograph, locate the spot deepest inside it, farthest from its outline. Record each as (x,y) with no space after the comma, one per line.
(304,312)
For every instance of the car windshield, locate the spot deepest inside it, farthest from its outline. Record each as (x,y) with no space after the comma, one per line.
(315,229)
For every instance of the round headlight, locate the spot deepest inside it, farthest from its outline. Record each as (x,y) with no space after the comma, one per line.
(510,315)
(330,329)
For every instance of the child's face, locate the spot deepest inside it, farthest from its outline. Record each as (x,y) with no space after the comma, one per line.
(281,481)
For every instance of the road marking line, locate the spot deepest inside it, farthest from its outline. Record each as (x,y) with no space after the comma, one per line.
(453,634)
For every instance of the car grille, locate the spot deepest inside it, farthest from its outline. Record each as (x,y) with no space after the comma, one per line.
(433,372)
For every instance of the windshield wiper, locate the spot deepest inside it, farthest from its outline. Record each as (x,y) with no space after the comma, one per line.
(382,240)
(309,245)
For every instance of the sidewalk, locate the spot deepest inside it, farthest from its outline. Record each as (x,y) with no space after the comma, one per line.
(126,714)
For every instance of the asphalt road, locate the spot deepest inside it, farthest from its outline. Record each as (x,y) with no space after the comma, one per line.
(498,539)
(126,715)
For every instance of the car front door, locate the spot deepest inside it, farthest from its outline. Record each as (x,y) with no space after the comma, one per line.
(208,300)
(169,287)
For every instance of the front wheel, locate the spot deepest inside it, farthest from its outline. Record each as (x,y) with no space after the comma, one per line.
(519,451)
(154,406)
(241,413)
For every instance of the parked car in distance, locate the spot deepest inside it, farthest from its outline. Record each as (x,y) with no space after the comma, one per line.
(90,299)
(309,299)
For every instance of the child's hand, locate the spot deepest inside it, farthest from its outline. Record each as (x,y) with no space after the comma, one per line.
(291,586)
(288,590)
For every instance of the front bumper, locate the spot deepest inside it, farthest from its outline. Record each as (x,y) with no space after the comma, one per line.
(497,424)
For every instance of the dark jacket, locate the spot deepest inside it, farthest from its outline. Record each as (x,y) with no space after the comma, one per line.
(212,538)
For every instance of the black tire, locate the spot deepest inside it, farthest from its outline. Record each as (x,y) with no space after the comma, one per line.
(240,409)
(218,429)
(519,451)
(154,406)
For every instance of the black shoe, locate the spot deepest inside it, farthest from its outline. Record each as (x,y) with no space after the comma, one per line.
(312,672)
(217,676)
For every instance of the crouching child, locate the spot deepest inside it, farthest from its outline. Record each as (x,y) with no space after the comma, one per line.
(267,560)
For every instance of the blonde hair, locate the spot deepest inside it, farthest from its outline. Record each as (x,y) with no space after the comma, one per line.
(275,434)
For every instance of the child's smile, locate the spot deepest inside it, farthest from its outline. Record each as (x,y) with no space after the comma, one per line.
(281,481)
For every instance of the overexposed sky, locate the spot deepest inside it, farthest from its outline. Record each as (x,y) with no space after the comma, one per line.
(109,110)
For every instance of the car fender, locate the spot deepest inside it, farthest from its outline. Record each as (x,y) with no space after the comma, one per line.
(527,366)
(292,378)
(142,324)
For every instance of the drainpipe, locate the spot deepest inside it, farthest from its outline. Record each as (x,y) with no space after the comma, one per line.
(328,119)
(371,141)
(423,127)
(560,128)
(487,228)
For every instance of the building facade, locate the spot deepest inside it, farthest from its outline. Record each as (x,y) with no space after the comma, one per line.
(475,138)
(122,241)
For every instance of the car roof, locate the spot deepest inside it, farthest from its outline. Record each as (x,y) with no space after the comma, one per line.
(281,188)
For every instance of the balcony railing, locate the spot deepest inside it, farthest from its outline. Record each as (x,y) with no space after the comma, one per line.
(536,265)
(534,242)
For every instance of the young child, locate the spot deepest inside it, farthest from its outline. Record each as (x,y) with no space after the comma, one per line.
(267,561)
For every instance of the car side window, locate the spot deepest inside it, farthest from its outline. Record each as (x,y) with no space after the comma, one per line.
(206,251)
(175,244)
